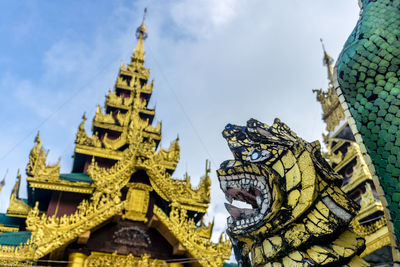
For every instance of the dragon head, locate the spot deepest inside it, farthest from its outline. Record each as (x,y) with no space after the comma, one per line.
(279,174)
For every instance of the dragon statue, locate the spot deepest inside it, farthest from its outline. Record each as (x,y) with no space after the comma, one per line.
(297,214)
(368,73)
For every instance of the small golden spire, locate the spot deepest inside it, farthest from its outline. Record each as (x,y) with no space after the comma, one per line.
(141,34)
(328,61)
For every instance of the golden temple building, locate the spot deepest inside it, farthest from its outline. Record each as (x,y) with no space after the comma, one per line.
(120,205)
(346,158)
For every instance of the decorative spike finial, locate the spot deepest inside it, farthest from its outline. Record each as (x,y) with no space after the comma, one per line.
(327,61)
(141,31)
(141,34)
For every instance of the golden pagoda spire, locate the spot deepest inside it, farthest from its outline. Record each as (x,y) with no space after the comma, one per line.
(328,61)
(141,34)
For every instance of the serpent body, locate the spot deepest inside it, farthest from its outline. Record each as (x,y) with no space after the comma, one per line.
(368,73)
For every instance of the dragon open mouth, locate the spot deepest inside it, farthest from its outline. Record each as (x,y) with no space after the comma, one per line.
(251,189)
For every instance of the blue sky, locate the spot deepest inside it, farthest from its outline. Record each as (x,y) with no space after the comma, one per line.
(213,61)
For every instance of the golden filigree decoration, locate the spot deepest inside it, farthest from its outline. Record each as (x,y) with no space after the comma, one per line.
(107,259)
(112,180)
(184,229)
(19,255)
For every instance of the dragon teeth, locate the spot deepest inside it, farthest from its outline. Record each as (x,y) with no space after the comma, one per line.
(259,200)
(223,185)
(230,220)
(264,207)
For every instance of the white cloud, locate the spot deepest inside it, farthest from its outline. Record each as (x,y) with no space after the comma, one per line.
(201,18)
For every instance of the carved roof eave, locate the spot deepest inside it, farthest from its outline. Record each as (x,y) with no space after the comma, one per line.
(143,74)
(61,185)
(112,127)
(148,112)
(115,105)
(7,229)
(98,152)
(144,90)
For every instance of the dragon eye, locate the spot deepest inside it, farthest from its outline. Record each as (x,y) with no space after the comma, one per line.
(257,155)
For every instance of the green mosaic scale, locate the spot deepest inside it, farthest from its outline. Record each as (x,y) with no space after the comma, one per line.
(368,72)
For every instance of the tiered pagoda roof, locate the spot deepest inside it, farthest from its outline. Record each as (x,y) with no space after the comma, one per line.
(120,188)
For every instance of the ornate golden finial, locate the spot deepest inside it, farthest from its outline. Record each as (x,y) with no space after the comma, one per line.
(328,61)
(141,34)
